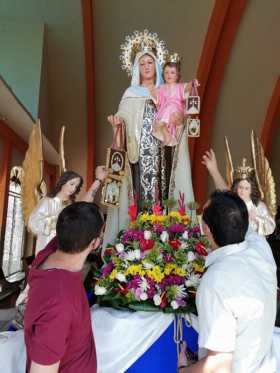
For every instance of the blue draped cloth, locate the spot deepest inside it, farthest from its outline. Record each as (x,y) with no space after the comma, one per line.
(162,355)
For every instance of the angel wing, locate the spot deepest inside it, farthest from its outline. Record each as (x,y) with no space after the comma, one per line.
(229,164)
(62,167)
(264,175)
(33,186)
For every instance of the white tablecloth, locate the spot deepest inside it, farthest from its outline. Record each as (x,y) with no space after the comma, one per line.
(120,337)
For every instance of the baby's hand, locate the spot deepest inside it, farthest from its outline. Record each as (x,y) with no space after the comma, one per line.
(114,120)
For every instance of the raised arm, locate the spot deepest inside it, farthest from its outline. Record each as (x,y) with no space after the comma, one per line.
(100,175)
(210,162)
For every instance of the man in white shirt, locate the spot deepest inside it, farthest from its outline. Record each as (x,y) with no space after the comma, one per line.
(236,300)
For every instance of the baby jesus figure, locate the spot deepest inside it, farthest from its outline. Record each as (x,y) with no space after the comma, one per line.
(170,99)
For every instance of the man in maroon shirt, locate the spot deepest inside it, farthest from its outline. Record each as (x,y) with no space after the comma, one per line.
(57,323)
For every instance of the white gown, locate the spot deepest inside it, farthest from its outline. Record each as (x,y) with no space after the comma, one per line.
(264,223)
(42,221)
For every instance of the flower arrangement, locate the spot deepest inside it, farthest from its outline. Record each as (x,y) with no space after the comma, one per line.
(156,264)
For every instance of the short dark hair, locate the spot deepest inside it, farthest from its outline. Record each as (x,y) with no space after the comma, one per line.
(77,225)
(227,218)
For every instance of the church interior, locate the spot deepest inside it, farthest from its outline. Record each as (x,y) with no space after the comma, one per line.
(60,64)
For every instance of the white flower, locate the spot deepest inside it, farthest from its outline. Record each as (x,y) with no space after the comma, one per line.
(164,236)
(183,245)
(137,254)
(157,299)
(143,296)
(174,305)
(192,280)
(185,235)
(121,277)
(147,235)
(191,256)
(180,291)
(144,284)
(130,255)
(100,290)
(148,265)
(120,247)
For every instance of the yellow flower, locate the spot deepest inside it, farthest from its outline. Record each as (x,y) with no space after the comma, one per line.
(145,217)
(173,268)
(113,274)
(185,219)
(169,268)
(174,214)
(180,271)
(135,269)
(158,218)
(198,267)
(156,274)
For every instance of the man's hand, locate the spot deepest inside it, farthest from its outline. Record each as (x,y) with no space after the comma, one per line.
(209,160)
(101,173)
(182,362)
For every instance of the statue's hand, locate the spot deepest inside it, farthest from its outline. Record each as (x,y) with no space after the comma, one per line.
(114,120)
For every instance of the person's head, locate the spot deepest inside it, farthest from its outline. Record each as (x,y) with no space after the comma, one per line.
(225,219)
(69,185)
(79,227)
(247,189)
(147,68)
(171,72)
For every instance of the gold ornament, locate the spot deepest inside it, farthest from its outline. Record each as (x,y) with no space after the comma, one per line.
(174,58)
(144,41)
(243,171)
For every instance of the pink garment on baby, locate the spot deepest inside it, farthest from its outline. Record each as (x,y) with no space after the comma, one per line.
(170,101)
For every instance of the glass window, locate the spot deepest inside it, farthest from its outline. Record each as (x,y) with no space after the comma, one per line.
(15,230)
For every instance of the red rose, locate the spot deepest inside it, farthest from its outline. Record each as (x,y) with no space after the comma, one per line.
(200,249)
(146,244)
(109,251)
(175,244)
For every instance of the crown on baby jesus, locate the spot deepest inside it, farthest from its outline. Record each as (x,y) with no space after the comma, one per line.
(174,58)
(243,171)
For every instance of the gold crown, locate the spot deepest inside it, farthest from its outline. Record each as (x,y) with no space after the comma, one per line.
(174,58)
(143,41)
(243,171)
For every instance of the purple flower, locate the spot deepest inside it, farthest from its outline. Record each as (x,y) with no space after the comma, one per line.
(180,302)
(107,269)
(172,280)
(177,228)
(158,228)
(134,283)
(132,235)
(194,231)
(167,258)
